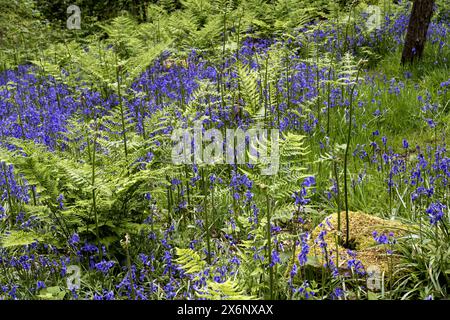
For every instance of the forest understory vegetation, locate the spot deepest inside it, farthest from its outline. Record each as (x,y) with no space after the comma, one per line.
(93,205)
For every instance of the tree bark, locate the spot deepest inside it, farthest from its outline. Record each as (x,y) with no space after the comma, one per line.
(417,30)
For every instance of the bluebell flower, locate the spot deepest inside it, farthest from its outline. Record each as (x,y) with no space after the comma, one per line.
(74,239)
(309,181)
(104,266)
(293,270)
(107,295)
(61,201)
(435,212)
(275,258)
(303,255)
(355,264)
(405,143)
(89,248)
(40,285)
(2,212)
(235,260)
(338,292)
(430,122)
(383,238)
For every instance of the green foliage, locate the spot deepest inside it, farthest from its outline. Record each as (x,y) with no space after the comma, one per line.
(228,290)
(293,159)
(71,173)
(126,49)
(51,293)
(189,260)
(425,267)
(249,89)
(23,32)
(193,264)
(21,238)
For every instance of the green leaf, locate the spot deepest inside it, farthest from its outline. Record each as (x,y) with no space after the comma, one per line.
(20,238)
(372,295)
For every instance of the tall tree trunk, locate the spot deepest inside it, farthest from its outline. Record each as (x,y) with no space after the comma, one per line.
(417,30)
(144,5)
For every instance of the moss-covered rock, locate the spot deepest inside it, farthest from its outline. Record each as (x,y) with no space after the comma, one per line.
(367,250)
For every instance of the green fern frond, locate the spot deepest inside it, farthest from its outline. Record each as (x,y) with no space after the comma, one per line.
(249,88)
(228,290)
(190,261)
(19,238)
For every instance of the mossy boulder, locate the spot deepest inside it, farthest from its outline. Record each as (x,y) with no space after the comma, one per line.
(367,250)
